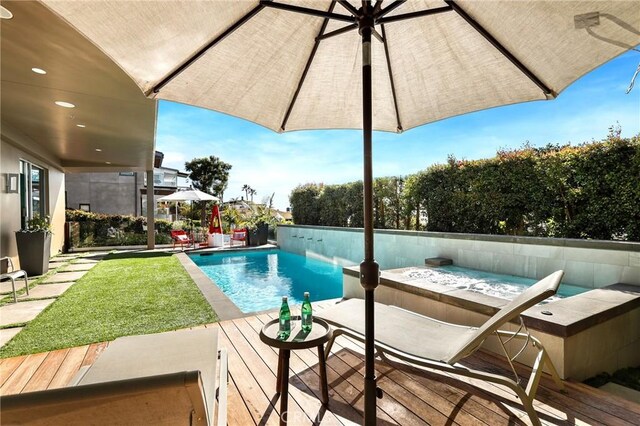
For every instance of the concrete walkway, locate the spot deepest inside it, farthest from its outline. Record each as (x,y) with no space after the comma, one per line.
(22,311)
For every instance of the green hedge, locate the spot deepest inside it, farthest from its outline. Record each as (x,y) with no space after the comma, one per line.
(89,229)
(586,191)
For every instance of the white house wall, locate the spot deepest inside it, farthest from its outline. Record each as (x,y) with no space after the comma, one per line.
(11,152)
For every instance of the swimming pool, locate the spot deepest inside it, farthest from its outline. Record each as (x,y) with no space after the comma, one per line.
(492,284)
(256,280)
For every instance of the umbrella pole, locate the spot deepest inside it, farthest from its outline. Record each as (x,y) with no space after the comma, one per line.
(369,269)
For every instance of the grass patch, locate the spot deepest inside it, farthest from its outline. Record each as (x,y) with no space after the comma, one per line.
(125,294)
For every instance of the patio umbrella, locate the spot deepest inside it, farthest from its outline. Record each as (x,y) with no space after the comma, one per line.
(188,195)
(391,65)
(215,224)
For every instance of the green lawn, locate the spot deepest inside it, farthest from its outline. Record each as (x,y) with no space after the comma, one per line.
(125,294)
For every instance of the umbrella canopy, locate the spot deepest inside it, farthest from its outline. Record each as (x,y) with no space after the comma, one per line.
(189,195)
(283,70)
(389,65)
(215,224)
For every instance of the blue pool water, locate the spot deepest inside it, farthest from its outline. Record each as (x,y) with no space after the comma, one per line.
(499,285)
(257,280)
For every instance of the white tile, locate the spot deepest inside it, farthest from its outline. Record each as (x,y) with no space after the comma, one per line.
(610,257)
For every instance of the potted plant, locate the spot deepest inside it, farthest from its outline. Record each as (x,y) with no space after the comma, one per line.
(34,245)
(258,225)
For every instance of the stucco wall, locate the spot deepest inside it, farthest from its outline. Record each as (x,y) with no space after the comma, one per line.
(585,262)
(107,193)
(11,152)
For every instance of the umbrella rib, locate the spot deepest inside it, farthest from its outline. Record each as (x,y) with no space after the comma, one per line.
(308,11)
(495,43)
(307,66)
(388,9)
(338,31)
(349,7)
(393,86)
(411,15)
(204,49)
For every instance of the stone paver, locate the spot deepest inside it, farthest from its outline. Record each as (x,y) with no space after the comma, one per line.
(86,261)
(62,277)
(49,290)
(5,286)
(22,311)
(7,334)
(78,267)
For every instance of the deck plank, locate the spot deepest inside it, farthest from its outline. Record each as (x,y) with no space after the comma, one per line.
(355,396)
(412,396)
(43,376)
(22,374)
(311,377)
(260,407)
(69,367)
(306,395)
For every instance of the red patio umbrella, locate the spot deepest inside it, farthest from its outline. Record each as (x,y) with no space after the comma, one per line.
(215,224)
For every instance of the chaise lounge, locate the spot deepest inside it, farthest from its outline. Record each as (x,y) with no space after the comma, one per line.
(426,342)
(156,379)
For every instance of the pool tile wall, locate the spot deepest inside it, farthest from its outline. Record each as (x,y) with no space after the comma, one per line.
(585,262)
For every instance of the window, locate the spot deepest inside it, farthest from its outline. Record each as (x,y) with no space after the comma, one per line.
(33,191)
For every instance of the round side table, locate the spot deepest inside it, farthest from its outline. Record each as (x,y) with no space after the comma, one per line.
(319,335)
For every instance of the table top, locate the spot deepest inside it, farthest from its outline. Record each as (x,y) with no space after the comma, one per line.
(320,334)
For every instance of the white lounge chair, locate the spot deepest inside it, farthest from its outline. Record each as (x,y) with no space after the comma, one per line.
(426,342)
(8,272)
(155,379)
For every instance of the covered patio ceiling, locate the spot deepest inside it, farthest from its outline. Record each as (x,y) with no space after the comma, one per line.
(119,121)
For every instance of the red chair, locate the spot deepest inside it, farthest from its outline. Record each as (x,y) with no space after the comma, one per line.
(238,235)
(182,238)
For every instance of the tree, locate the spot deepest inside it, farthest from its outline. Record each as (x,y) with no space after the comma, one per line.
(248,191)
(209,174)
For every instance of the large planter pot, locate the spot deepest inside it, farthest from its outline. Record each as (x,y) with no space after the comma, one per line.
(34,250)
(263,233)
(252,237)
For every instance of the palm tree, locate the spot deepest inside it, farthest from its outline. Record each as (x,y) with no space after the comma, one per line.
(246,189)
(252,192)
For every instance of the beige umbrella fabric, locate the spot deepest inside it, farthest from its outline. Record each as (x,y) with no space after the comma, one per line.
(441,66)
(315,65)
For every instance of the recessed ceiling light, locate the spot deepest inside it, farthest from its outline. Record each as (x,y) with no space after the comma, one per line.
(5,13)
(98,150)
(65,104)
(107,162)
(81,125)
(38,70)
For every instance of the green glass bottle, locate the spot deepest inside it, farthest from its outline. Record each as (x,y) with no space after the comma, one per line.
(307,317)
(285,320)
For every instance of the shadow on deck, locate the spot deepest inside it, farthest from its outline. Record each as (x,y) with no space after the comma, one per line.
(411,396)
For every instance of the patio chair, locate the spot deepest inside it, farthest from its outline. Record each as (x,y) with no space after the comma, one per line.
(238,235)
(8,272)
(182,238)
(426,342)
(156,379)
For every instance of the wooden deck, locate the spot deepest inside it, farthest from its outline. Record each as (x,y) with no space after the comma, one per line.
(411,397)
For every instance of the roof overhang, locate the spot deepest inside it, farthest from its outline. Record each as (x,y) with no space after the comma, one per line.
(120,122)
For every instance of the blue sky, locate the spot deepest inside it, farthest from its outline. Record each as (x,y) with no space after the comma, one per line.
(276,163)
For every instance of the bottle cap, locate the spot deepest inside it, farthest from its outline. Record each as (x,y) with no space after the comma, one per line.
(284,298)
(306,294)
